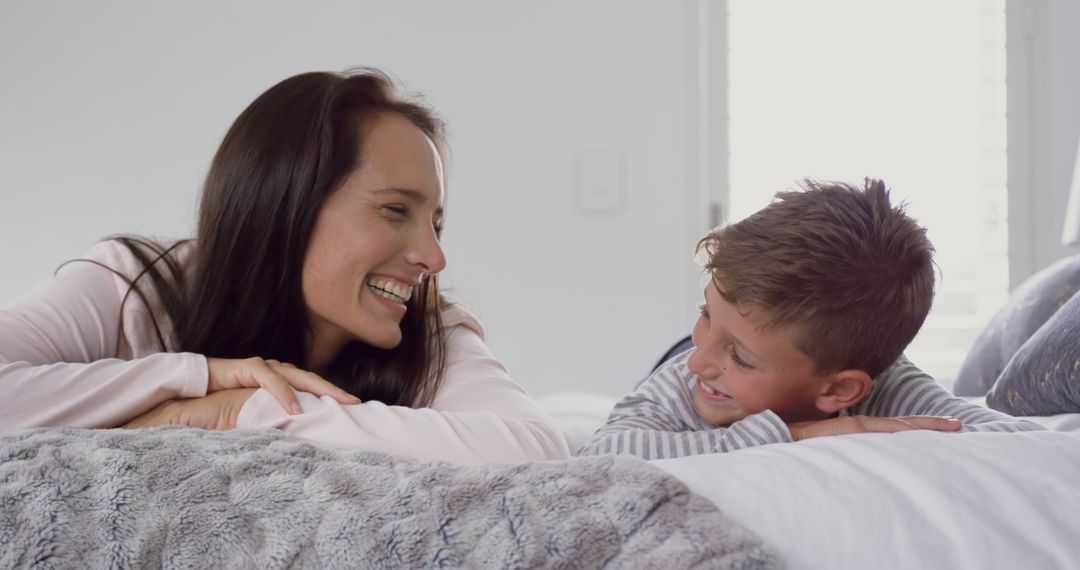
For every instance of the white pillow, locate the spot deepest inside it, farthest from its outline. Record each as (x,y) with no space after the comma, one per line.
(916,499)
(577,414)
(1060,422)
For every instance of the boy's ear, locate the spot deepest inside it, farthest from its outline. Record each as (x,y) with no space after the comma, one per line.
(842,390)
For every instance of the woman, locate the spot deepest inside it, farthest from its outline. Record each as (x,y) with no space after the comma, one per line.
(315,257)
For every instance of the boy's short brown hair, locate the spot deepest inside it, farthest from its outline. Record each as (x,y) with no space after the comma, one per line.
(851,272)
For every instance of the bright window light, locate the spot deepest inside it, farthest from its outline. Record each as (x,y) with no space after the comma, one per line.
(911,92)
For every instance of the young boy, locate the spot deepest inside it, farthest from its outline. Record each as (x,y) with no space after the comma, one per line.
(808,300)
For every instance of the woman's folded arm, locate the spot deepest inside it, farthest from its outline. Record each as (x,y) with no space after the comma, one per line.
(478,415)
(57,358)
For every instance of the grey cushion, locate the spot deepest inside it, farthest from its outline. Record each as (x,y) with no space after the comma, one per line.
(1025,360)
(1043,377)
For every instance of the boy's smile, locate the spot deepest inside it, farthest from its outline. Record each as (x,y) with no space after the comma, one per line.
(742,369)
(710,393)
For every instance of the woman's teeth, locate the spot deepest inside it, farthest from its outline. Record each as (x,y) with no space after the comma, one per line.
(392,290)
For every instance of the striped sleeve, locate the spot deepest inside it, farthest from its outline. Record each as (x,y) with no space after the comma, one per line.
(658,421)
(905,390)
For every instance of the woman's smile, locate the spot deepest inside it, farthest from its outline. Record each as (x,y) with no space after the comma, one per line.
(391,289)
(391,293)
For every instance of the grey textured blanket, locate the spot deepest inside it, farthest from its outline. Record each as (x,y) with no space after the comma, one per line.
(184,498)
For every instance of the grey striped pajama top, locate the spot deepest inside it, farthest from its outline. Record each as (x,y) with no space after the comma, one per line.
(658,420)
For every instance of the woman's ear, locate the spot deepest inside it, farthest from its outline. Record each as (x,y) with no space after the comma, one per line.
(842,390)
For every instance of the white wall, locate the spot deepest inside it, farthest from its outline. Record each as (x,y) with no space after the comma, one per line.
(110,112)
(1044,128)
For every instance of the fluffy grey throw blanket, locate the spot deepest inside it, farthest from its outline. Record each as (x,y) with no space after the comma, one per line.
(184,498)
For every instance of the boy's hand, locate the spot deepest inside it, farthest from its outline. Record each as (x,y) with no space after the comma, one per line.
(866,424)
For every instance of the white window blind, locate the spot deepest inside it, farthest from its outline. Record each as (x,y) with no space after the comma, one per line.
(911,92)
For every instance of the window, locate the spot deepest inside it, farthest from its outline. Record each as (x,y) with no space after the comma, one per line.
(910,92)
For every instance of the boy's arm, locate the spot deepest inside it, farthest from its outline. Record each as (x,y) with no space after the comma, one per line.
(658,421)
(905,390)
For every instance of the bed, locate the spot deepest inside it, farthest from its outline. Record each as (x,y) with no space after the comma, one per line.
(177,497)
(905,500)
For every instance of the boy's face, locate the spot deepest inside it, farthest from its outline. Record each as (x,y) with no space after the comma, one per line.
(742,369)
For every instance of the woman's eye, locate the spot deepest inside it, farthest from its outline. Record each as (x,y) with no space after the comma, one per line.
(396,209)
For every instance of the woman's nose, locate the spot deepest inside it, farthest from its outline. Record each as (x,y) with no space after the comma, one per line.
(427,254)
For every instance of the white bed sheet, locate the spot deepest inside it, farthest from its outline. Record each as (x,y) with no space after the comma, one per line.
(1060,422)
(906,500)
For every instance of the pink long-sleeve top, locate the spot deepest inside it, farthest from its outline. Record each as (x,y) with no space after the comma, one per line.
(64,361)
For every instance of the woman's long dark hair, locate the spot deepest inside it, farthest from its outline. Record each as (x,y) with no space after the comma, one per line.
(281,159)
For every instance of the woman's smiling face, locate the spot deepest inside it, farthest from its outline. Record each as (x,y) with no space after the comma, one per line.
(375,238)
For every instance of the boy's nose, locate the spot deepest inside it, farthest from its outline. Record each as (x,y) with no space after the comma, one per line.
(701,365)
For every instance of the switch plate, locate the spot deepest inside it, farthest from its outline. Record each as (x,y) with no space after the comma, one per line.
(601,182)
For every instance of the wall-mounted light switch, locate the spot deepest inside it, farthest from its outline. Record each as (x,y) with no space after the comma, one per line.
(601,181)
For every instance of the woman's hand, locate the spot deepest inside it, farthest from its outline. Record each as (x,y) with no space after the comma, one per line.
(216,411)
(867,424)
(276,377)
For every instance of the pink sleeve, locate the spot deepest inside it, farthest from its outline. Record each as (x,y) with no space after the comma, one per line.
(478,416)
(56,358)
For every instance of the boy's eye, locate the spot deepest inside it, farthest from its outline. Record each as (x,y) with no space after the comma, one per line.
(739,361)
(704,310)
